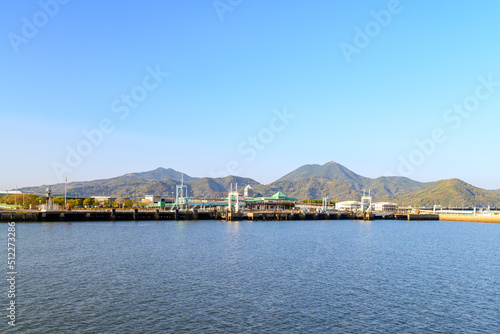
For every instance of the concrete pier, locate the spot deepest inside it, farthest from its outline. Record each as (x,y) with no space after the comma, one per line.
(414,216)
(150,215)
(470,218)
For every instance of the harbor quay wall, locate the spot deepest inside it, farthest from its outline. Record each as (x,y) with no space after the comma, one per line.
(151,215)
(105,215)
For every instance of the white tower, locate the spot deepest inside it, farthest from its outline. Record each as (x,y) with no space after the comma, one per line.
(230,199)
(366,201)
(248,192)
(180,196)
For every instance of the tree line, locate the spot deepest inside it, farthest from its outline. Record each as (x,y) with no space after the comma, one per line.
(27,200)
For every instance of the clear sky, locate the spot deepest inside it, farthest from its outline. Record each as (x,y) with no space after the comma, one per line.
(96,89)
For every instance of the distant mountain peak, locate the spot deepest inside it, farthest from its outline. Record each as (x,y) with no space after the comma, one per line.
(161,173)
(311,181)
(329,171)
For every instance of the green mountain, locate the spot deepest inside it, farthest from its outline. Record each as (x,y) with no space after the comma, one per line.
(453,192)
(218,187)
(329,171)
(307,182)
(136,185)
(388,188)
(129,185)
(160,174)
(123,185)
(338,183)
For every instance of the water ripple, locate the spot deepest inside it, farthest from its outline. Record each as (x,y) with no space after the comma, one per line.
(262,277)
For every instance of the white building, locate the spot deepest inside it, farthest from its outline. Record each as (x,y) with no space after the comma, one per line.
(50,207)
(348,206)
(385,207)
(155,198)
(248,192)
(102,199)
(10,192)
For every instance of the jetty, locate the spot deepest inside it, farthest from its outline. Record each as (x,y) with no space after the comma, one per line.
(166,215)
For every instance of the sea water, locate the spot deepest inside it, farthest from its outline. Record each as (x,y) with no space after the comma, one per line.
(255,277)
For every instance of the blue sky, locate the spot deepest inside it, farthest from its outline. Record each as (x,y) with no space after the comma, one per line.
(232,68)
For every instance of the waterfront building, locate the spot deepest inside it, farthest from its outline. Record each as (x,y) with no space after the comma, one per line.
(385,207)
(248,192)
(10,192)
(155,199)
(275,202)
(348,206)
(103,199)
(50,207)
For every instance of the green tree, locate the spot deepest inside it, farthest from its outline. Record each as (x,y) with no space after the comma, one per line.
(145,202)
(88,202)
(58,200)
(31,199)
(75,203)
(118,203)
(9,199)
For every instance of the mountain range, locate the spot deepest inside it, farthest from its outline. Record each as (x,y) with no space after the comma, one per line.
(307,182)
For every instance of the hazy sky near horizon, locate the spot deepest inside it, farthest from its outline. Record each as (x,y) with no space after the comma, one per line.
(95,89)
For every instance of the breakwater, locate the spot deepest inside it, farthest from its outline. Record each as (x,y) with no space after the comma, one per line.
(139,215)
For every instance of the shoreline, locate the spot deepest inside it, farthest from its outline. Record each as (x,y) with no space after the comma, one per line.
(137,215)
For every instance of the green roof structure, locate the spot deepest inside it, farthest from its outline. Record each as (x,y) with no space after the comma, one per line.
(279,196)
